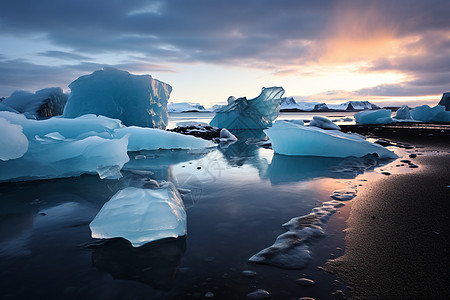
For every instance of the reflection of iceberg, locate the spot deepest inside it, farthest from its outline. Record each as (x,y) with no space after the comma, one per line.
(257,113)
(291,139)
(141,215)
(284,169)
(154,264)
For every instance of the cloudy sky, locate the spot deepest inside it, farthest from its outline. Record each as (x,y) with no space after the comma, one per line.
(384,51)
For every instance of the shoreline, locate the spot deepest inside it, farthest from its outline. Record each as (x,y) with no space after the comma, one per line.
(397,230)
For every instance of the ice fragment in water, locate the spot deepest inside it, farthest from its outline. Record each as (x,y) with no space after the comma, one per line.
(291,139)
(13,143)
(374,116)
(141,215)
(257,113)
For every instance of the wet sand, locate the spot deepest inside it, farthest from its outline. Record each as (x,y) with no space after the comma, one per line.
(398,228)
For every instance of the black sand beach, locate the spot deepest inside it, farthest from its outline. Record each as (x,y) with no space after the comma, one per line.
(398,229)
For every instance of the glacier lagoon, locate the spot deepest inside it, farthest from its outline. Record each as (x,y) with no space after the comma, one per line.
(236,199)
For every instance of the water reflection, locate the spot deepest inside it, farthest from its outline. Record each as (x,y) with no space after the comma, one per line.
(155,264)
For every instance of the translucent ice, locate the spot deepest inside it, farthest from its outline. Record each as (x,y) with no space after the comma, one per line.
(13,143)
(43,104)
(374,117)
(323,123)
(425,113)
(291,139)
(141,215)
(257,113)
(136,100)
(60,147)
(403,113)
(226,136)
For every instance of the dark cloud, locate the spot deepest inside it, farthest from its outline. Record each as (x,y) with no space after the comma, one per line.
(273,35)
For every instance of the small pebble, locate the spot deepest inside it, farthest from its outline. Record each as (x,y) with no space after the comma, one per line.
(198,168)
(305,282)
(43,214)
(306,298)
(249,273)
(413,166)
(259,294)
(406,161)
(413,155)
(386,173)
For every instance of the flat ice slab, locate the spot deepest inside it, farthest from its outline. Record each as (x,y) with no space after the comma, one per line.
(292,139)
(141,215)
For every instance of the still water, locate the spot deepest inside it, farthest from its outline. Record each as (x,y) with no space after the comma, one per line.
(240,196)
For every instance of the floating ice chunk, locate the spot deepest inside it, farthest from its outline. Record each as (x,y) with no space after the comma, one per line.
(141,215)
(374,117)
(323,123)
(291,139)
(291,250)
(425,113)
(192,124)
(257,113)
(13,143)
(43,104)
(226,136)
(445,101)
(109,172)
(136,100)
(403,113)
(153,139)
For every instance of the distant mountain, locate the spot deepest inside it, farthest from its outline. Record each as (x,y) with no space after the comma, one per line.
(289,104)
(185,107)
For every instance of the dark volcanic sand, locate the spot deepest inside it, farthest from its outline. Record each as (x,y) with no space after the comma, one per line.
(398,228)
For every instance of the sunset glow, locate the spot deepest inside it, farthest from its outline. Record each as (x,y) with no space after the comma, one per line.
(331,51)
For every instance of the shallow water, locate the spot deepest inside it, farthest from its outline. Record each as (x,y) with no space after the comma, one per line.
(240,196)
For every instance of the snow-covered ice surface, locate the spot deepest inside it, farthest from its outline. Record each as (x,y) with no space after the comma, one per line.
(257,113)
(14,143)
(292,139)
(141,215)
(138,100)
(185,107)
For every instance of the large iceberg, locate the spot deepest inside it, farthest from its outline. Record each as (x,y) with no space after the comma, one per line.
(59,147)
(403,113)
(136,100)
(292,139)
(374,117)
(141,215)
(43,104)
(257,113)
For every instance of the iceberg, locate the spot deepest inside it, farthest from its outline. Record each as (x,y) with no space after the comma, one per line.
(292,139)
(403,113)
(141,215)
(445,101)
(425,113)
(374,117)
(42,104)
(14,144)
(59,147)
(323,123)
(136,100)
(257,113)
